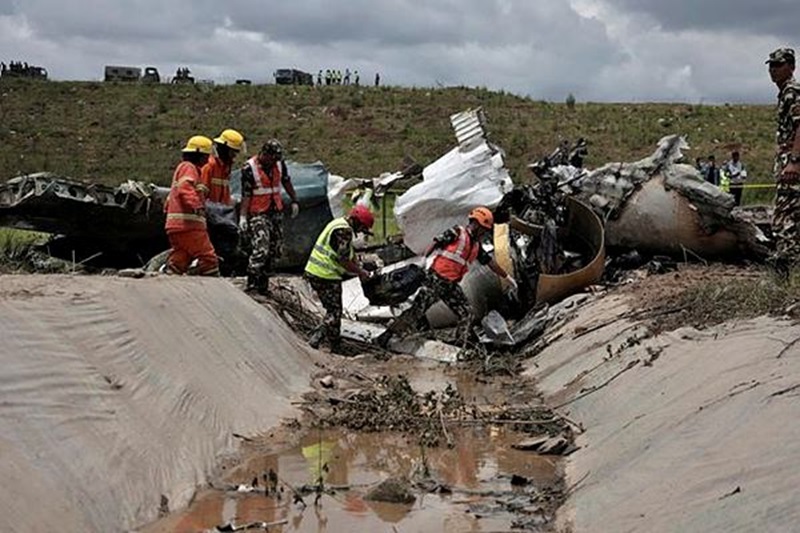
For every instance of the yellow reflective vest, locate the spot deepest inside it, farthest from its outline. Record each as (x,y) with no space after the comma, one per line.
(324,261)
(724,181)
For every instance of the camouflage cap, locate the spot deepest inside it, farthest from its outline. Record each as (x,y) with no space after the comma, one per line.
(781,55)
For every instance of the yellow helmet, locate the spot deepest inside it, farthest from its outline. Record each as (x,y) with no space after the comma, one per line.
(232,139)
(198,143)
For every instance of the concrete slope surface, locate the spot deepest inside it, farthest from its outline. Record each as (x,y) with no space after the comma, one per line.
(691,431)
(118,396)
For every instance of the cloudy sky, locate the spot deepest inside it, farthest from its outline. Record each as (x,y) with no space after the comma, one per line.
(709,51)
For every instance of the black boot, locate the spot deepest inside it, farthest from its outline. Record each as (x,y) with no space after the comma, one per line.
(316,338)
(383,339)
(780,268)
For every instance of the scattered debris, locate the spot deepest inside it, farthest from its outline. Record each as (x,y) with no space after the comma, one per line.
(392,490)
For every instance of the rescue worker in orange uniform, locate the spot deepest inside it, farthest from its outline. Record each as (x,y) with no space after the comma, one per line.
(331,258)
(186,219)
(216,174)
(452,252)
(261,212)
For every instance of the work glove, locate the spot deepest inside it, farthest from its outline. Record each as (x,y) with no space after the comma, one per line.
(295,209)
(510,286)
(243,225)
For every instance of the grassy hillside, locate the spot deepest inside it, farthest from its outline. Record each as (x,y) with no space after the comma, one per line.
(114,132)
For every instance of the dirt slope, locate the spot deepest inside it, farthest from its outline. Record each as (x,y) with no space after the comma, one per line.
(118,397)
(691,430)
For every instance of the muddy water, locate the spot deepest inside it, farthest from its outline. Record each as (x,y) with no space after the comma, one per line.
(478,469)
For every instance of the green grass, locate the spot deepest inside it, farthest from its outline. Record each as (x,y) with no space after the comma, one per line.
(14,248)
(113,132)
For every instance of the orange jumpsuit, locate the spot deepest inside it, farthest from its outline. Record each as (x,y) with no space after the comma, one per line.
(186,224)
(216,176)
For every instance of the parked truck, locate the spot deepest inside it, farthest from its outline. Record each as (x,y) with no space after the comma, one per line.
(122,73)
(290,76)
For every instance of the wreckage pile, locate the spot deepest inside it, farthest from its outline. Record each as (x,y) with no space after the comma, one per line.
(552,236)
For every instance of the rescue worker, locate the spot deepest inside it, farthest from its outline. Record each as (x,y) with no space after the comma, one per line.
(216,174)
(786,219)
(261,211)
(452,252)
(186,220)
(331,258)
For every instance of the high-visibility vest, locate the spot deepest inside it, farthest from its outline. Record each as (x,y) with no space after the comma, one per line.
(216,177)
(184,202)
(724,181)
(452,261)
(267,189)
(324,261)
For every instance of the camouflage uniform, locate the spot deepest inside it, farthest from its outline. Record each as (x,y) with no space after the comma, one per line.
(264,237)
(786,219)
(330,294)
(265,232)
(433,289)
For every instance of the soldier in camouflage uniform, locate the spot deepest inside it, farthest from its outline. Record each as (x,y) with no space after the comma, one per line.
(452,252)
(331,258)
(261,214)
(786,220)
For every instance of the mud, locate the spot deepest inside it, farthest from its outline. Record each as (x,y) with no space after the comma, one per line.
(451,441)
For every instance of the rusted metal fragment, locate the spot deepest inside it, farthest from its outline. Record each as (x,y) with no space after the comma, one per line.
(660,206)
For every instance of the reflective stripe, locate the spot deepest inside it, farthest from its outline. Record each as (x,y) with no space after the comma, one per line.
(313,260)
(453,256)
(452,261)
(326,251)
(266,190)
(257,176)
(186,216)
(220,181)
(458,254)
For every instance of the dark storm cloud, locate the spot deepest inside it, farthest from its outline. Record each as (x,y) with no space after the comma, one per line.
(596,49)
(403,22)
(769,17)
(110,20)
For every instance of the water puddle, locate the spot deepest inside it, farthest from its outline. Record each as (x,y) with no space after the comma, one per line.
(478,470)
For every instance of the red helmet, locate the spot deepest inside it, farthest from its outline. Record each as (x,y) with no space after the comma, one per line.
(483,216)
(363,216)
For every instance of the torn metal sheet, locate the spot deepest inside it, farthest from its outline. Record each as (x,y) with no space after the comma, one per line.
(415,346)
(583,231)
(661,206)
(482,286)
(126,222)
(471,175)
(124,226)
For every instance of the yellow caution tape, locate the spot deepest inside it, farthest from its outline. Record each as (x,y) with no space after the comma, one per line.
(756,186)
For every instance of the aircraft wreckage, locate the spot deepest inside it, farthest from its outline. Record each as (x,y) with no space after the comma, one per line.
(554,238)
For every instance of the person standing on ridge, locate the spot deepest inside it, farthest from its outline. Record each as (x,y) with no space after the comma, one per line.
(786,219)
(734,172)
